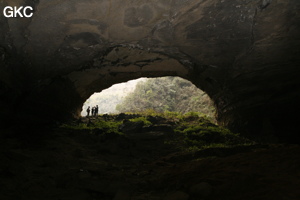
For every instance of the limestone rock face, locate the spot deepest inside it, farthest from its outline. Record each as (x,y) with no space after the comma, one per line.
(244,53)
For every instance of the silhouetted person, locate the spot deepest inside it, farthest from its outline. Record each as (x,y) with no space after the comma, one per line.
(93,111)
(96,110)
(88,111)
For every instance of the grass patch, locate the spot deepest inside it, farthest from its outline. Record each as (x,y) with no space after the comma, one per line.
(106,126)
(143,119)
(192,131)
(198,133)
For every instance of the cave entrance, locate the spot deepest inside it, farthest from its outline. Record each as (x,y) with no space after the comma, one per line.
(163,94)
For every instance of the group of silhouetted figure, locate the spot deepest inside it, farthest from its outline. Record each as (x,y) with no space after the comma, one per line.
(95,110)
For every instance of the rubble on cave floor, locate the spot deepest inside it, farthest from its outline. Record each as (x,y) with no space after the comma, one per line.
(146,158)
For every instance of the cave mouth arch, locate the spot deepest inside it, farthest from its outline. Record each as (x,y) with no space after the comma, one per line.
(161,94)
(121,64)
(239,102)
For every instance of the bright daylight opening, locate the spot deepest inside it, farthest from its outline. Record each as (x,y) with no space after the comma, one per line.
(165,94)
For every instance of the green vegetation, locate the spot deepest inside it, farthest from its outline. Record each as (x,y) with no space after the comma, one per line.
(200,133)
(167,94)
(105,126)
(192,131)
(143,119)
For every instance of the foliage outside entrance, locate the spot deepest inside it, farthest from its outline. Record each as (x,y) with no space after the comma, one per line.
(167,94)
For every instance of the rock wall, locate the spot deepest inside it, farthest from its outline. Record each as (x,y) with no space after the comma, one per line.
(244,53)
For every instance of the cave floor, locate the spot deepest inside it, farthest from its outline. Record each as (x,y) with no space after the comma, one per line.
(71,165)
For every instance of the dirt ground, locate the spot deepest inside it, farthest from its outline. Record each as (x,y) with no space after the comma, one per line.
(74,165)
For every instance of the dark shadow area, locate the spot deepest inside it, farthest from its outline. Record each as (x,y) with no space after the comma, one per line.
(145,156)
(157,147)
(245,55)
